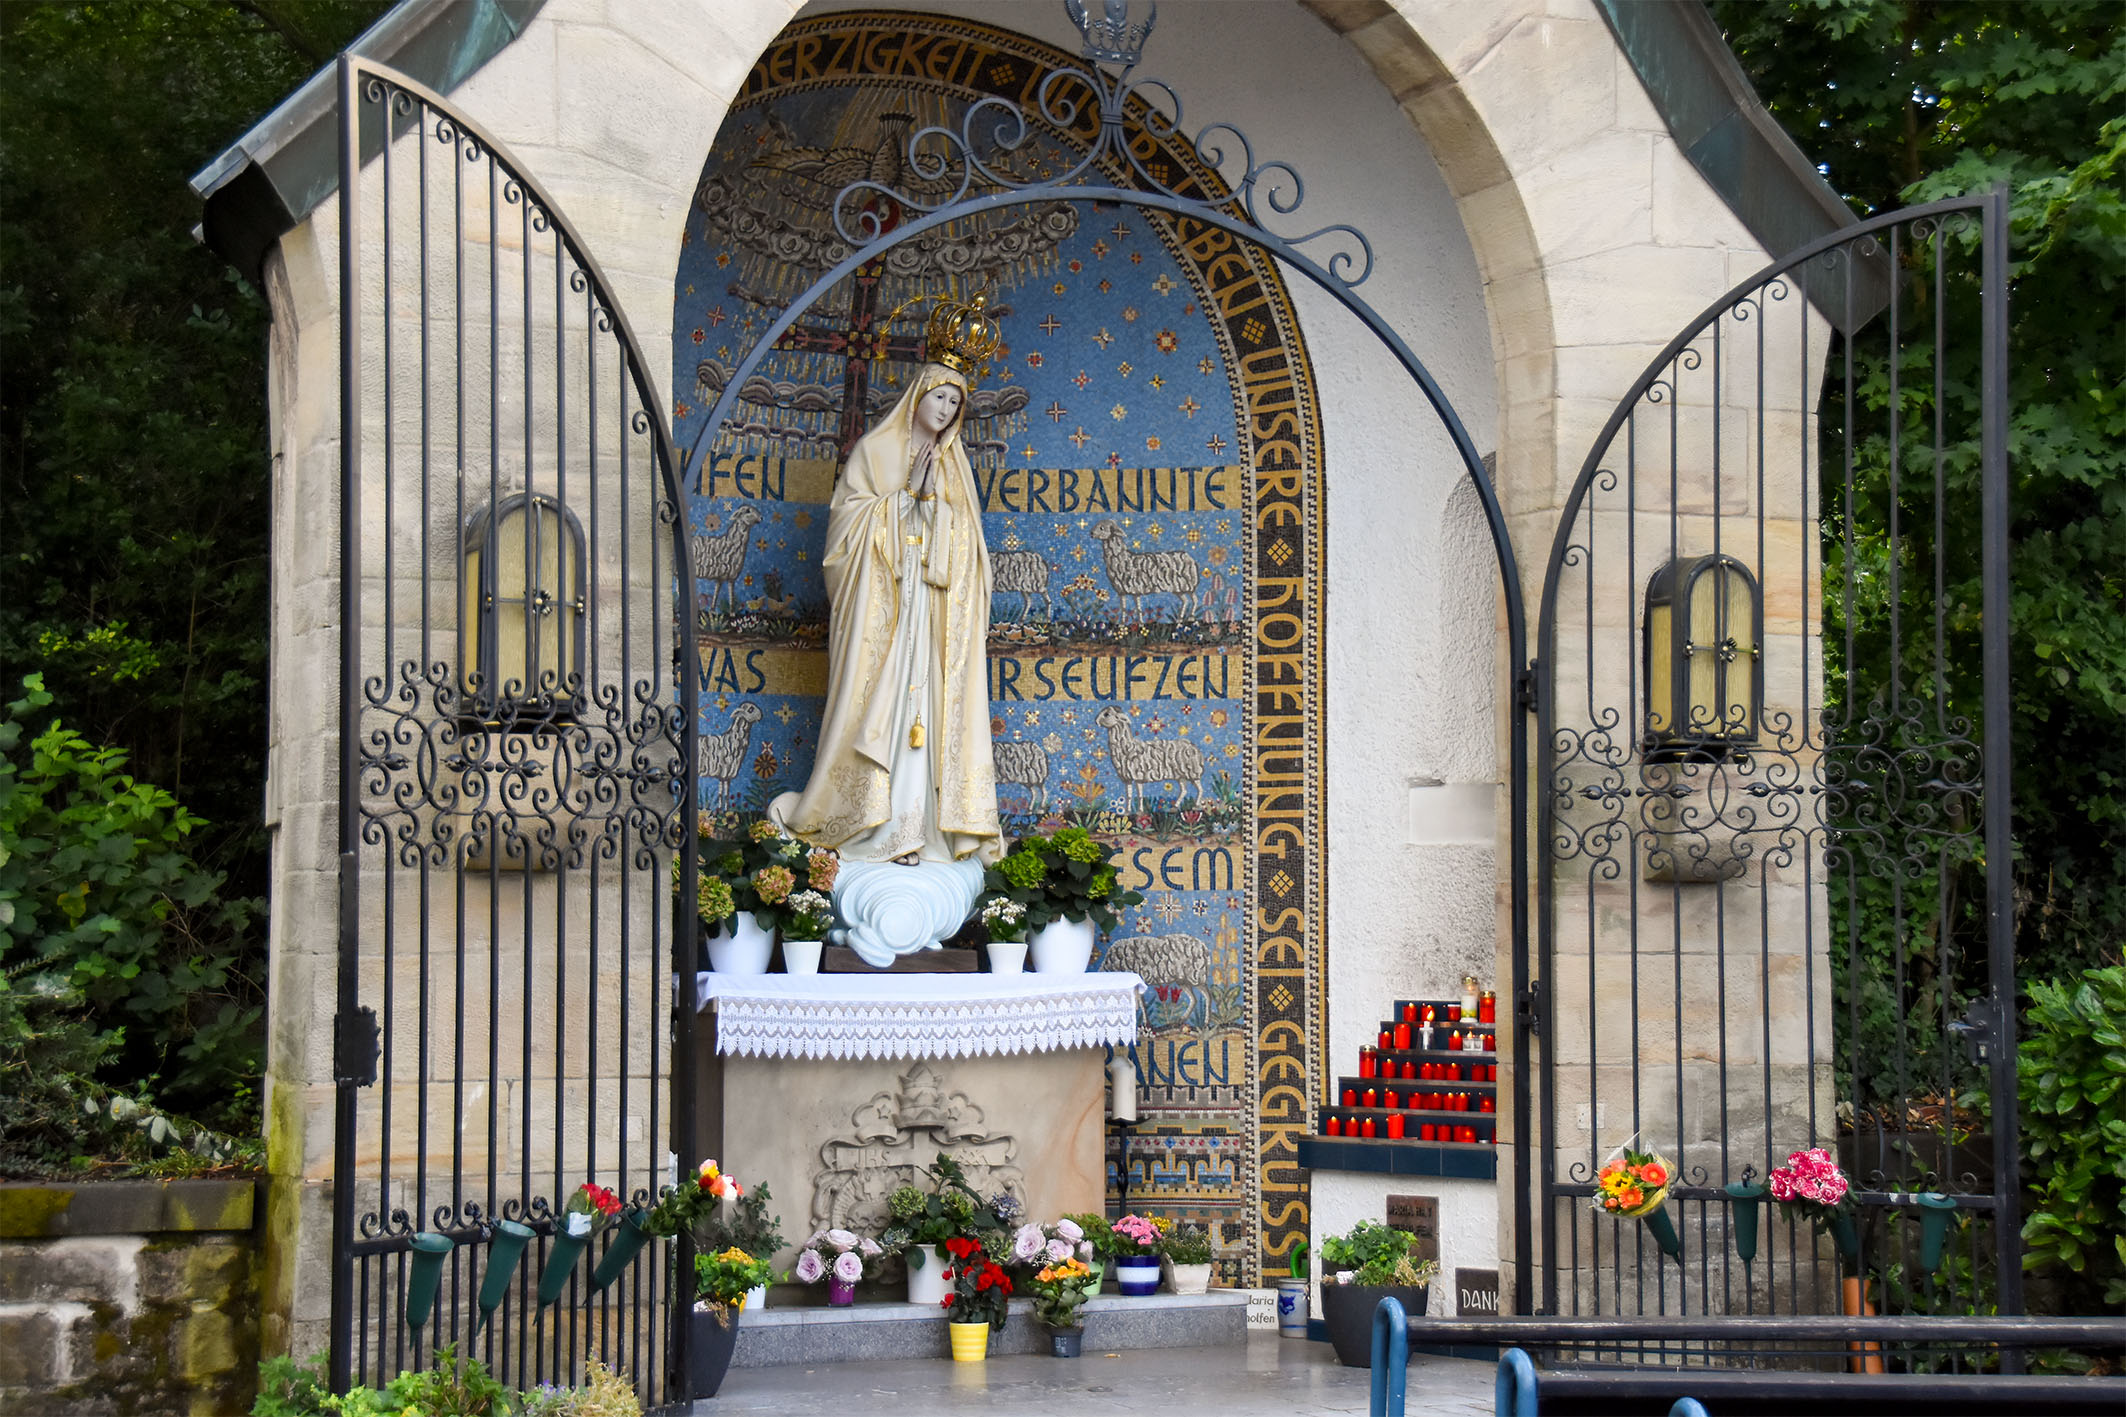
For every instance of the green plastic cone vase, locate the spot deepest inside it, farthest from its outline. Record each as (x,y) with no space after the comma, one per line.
(560,1264)
(1846,1236)
(1663,1230)
(629,1237)
(1743,1197)
(504,1250)
(426,1273)
(1933,1228)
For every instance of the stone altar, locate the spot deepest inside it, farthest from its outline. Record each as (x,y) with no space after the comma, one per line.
(834,1089)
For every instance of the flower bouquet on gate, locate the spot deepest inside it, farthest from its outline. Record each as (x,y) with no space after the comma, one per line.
(1634,1186)
(588,1210)
(1812,1186)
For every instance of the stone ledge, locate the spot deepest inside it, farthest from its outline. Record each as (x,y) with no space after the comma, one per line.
(778,1337)
(32,1210)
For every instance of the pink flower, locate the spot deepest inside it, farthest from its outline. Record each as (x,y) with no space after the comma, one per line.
(848,1267)
(1058,1251)
(810,1267)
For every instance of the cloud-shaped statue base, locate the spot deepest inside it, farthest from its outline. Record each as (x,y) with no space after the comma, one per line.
(888,910)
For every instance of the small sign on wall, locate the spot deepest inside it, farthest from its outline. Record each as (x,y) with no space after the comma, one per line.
(1419,1215)
(1476,1291)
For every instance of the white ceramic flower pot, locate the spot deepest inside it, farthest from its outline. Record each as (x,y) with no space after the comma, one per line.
(926,1286)
(800,956)
(756,1299)
(1007,956)
(1063,947)
(1188,1278)
(743,948)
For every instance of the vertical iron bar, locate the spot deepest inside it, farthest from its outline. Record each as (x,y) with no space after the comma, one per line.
(343,1152)
(1999,759)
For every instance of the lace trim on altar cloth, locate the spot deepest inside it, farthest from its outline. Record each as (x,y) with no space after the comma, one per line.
(914,1016)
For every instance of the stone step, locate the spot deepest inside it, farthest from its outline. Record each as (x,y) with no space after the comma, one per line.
(775,1337)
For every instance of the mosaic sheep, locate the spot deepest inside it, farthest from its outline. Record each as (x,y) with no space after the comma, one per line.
(1025,574)
(720,560)
(1137,574)
(1144,762)
(723,755)
(1026,765)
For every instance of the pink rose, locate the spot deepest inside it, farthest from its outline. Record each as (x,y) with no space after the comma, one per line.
(848,1267)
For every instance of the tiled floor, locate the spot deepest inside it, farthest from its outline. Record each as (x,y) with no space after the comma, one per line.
(1270,1377)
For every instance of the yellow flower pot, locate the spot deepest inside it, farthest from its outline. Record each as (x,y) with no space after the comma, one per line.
(970,1342)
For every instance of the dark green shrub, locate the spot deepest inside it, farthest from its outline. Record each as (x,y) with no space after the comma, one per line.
(2073,1088)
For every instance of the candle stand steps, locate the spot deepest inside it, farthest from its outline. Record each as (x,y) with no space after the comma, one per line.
(1424,1102)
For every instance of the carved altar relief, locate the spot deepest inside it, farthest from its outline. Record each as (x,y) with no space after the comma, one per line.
(895,1137)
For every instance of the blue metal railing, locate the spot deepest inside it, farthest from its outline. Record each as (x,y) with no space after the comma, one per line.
(1391,1358)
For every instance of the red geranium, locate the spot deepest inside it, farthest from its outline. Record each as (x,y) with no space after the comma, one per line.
(961,1247)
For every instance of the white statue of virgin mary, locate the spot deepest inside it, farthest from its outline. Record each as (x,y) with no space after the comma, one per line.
(903,773)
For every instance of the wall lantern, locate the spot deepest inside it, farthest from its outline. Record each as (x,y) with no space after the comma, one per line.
(521,622)
(1704,641)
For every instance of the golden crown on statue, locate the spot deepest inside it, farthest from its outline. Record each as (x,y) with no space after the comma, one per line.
(961,335)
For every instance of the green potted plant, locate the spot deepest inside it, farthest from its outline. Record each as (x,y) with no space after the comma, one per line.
(745,889)
(1362,1266)
(1187,1252)
(1058,1290)
(1069,889)
(721,1282)
(1095,1239)
(922,1222)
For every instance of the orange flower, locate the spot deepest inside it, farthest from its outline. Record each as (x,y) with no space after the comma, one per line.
(1631,1199)
(1654,1174)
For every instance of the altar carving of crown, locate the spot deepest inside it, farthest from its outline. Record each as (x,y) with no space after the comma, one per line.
(896,1135)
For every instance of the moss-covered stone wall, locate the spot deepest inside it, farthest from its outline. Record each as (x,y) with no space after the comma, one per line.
(128,1297)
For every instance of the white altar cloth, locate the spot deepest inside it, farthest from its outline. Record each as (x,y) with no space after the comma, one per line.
(917,1015)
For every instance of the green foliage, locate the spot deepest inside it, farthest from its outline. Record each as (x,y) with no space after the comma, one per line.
(451,1388)
(2073,1085)
(1186,1244)
(1376,1254)
(1067,876)
(1099,1230)
(723,1278)
(1907,102)
(133,452)
(100,903)
(120,993)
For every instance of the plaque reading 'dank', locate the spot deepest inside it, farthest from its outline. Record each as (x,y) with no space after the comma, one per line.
(1419,1215)
(1476,1291)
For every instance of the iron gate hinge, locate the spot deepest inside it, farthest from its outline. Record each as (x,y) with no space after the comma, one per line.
(356,1045)
(1528,1008)
(1524,682)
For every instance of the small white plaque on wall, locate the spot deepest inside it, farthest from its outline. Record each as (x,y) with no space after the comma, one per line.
(1452,813)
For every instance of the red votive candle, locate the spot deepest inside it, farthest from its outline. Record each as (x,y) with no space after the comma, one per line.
(1409,1013)
(1366,1063)
(1395,1099)
(1465,1134)
(1487,1105)
(1487,1008)
(1372,1098)
(1350,1097)
(1365,1128)
(1333,1127)
(1387,1040)
(1409,1071)
(1402,1036)
(1491,1043)
(1454,1013)
(1424,1132)
(1395,1127)
(1427,1070)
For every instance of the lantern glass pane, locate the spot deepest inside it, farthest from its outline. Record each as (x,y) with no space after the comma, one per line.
(1660,669)
(1741,687)
(1702,593)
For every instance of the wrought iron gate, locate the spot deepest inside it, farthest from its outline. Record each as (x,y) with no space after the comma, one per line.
(517,762)
(1773,834)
